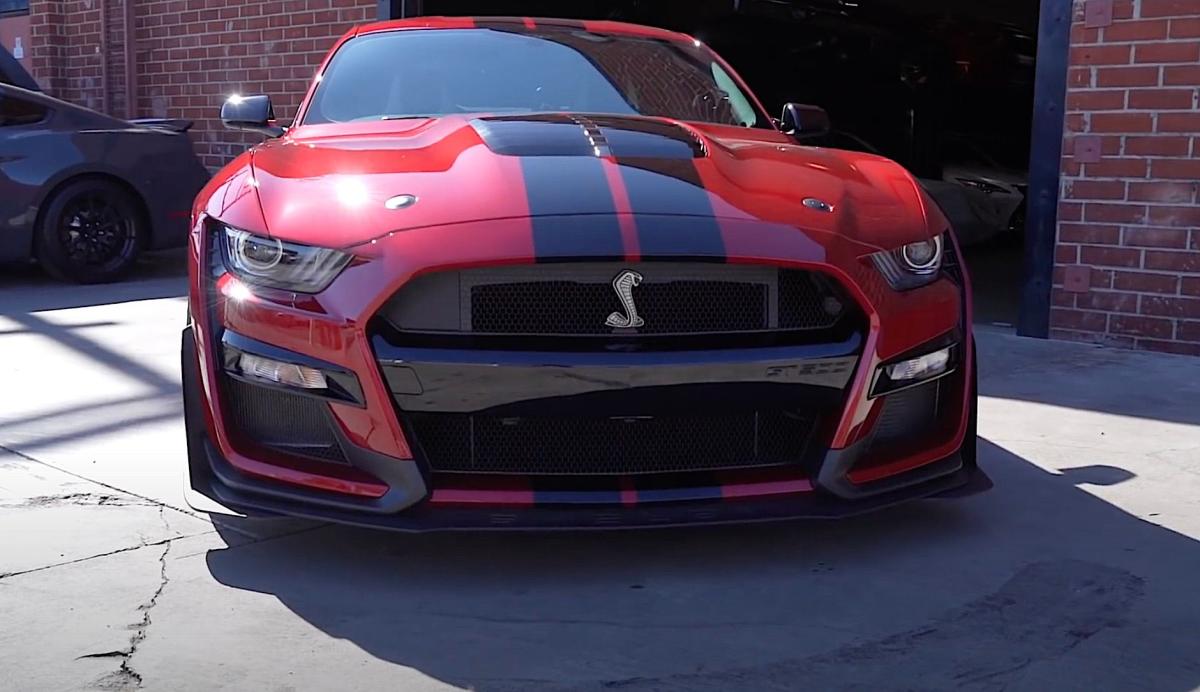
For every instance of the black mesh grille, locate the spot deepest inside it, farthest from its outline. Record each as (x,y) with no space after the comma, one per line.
(285,422)
(908,414)
(807,301)
(609,446)
(572,300)
(569,308)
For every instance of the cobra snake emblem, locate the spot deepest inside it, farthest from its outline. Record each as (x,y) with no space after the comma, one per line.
(623,285)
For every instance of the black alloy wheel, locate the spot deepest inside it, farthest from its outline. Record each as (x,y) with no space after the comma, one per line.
(91,232)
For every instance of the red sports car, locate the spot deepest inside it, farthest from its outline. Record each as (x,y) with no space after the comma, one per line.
(515,273)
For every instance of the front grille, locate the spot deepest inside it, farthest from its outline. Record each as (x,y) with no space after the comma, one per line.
(287,423)
(570,299)
(570,308)
(807,301)
(462,443)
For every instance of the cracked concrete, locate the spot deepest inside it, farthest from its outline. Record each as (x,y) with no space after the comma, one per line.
(1077,572)
(82,499)
(125,677)
(44,513)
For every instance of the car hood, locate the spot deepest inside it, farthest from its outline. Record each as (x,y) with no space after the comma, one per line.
(346,184)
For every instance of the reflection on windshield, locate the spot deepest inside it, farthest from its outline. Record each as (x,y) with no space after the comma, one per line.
(417,73)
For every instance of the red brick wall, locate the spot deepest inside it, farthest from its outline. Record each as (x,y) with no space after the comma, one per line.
(71,44)
(193,54)
(1128,251)
(12,28)
(190,55)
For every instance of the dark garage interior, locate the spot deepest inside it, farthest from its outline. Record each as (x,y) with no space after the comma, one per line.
(944,87)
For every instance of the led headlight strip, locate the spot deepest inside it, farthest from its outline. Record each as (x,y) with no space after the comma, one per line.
(262,261)
(912,265)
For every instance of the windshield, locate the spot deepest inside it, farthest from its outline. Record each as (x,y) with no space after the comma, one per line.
(414,73)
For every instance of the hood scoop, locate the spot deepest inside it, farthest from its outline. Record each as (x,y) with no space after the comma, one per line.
(555,134)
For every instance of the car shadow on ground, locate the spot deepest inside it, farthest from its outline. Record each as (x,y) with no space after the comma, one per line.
(1035,585)
(25,288)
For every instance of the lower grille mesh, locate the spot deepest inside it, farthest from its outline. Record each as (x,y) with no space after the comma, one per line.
(289,423)
(908,414)
(610,446)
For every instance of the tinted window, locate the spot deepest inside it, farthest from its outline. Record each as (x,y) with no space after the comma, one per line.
(440,72)
(18,111)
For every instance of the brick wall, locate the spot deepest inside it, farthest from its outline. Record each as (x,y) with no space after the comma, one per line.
(69,50)
(193,54)
(45,39)
(14,28)
(1128,253)
(189,55)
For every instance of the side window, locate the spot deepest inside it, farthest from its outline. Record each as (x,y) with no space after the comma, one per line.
(15,110)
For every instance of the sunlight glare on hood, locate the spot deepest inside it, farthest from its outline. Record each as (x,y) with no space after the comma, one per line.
(351,192)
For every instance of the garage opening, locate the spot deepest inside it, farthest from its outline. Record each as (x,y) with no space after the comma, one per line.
(942,86)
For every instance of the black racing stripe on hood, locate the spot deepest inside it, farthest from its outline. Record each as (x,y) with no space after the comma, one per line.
(558,189)
(561,158)
(561,134)
(644,138)
(672,187)
(535,135)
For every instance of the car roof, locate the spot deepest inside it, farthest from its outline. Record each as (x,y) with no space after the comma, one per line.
(531,24)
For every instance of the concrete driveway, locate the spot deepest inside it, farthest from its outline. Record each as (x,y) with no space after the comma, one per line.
(1080,570)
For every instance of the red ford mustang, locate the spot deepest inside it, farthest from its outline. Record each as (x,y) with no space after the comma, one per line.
(513,273)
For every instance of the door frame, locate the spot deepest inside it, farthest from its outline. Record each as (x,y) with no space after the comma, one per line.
(1045,166)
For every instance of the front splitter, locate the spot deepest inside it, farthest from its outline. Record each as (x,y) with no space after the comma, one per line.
(425,516)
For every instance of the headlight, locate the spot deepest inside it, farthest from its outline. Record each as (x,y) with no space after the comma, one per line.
(912,265)
(917,370)
(274,263)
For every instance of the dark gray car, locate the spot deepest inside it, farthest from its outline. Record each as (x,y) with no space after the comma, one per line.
(83,193)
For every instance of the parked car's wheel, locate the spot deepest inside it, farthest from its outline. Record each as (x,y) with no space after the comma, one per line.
(91,232)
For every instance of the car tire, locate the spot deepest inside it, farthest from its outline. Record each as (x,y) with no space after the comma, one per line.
(91,231)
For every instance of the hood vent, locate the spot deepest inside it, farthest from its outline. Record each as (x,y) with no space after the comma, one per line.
(554,134)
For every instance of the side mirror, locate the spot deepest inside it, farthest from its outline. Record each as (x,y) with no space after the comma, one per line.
(251,114)
(803,122)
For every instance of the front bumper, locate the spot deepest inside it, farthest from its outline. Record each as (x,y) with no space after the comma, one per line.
(412,503)
(382,479)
